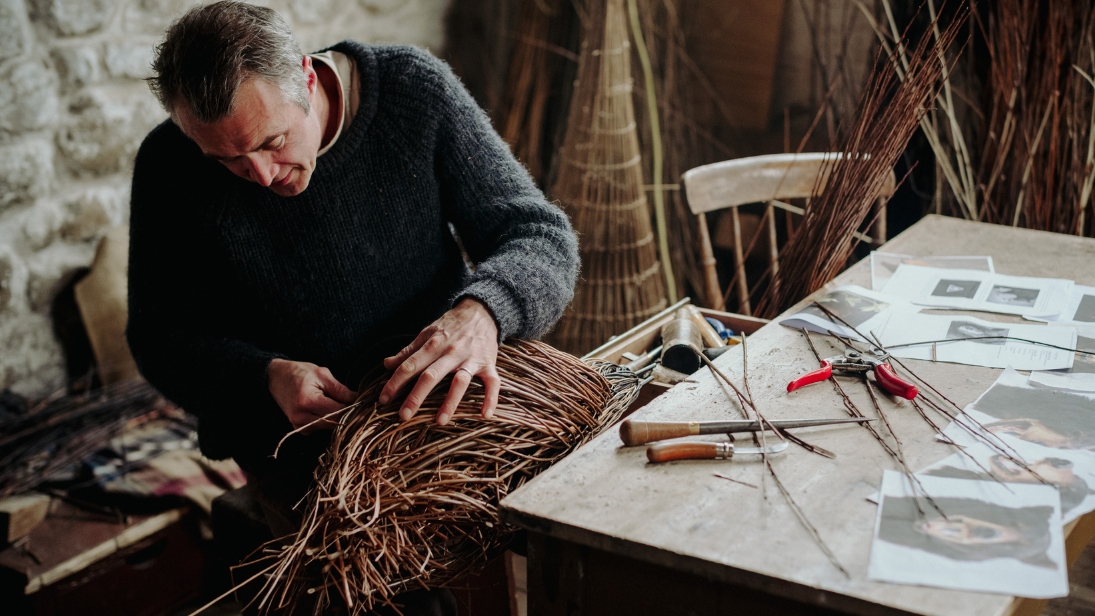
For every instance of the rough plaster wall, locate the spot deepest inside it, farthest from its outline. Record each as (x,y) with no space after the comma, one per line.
(73,111)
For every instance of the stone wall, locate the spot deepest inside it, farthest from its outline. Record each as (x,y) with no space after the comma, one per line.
(73,111)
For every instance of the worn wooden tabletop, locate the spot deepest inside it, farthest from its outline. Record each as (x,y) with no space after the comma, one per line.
(682,516)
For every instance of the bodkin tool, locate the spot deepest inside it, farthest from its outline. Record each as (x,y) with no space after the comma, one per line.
(637,432)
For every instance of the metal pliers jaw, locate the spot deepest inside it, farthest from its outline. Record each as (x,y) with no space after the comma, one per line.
(857,362)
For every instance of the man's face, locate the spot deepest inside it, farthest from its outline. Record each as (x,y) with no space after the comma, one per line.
(1054,470)
(266,139)
(1033,431)
(968,531)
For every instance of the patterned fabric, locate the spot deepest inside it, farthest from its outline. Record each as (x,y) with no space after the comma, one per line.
(159,457)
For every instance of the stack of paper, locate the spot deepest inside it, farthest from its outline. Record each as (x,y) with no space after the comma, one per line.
(1038,474)
(884,264)
(977,290)
(993,538)
(909,334)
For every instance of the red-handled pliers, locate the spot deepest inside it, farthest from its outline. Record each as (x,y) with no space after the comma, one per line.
(855,361)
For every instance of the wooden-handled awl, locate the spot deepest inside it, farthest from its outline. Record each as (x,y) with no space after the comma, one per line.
(666,452)
(637,432)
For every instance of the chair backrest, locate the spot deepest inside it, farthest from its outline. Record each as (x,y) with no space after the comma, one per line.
(769,179)
(758,179)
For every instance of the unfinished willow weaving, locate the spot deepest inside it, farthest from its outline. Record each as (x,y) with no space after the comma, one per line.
(401,505)
(600,186)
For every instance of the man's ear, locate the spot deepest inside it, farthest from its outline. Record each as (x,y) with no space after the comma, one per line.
(310,76)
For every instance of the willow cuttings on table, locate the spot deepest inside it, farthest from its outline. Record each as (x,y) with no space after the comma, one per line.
(400,506)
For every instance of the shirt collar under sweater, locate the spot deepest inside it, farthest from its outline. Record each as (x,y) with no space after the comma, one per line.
(346,84)
(352,136)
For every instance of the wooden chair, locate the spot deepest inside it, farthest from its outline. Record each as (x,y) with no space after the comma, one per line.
(770,179)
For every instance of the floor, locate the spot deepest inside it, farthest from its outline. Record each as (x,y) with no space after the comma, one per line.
(1081,597)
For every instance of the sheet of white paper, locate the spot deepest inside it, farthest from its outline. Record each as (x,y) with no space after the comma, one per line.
(1071,472)
(977,290)
(904,328)
(884,264)
(1079,308)
(1081,376)
(860,307)
(999,539)
(1013,407)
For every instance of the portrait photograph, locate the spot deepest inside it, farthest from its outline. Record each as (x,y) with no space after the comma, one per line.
(972,529)
(960,330)
(1049,417)
(855,309)
(1013,296)
(1072,473)
(1086,310)
(1084,362)
(956,288)
(970,535)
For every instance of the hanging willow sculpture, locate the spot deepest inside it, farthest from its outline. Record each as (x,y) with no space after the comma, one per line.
(399,505)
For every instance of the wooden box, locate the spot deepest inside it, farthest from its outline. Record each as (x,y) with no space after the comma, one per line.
(78,562)
(640,339)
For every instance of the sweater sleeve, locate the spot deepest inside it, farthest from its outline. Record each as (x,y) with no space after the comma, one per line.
(177,330)
(524,248)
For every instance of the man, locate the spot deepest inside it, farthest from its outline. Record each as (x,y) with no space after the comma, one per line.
(292,220)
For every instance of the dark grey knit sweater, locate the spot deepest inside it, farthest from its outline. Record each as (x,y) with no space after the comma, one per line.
(224,275)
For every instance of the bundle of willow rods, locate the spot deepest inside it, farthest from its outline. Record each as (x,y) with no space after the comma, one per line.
(401,505)
(895,100)
(67,429)
(1015,140)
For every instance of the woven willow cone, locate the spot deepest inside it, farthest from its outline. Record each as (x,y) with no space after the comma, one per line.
(600,186)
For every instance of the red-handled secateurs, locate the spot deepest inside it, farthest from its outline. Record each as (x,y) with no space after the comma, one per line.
(856,362)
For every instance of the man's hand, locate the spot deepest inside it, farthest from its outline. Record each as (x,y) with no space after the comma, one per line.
(464,341)
(305,392)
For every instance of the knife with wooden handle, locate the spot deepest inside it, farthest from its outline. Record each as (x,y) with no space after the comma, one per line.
(638,432)
(667,452)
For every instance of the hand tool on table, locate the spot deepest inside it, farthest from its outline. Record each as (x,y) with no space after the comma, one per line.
(665,452)
(638,432)
(854,361)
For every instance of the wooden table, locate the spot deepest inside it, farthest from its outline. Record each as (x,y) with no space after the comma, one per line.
(610,533)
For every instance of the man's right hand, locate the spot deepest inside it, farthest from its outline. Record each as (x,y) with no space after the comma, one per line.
(305,392)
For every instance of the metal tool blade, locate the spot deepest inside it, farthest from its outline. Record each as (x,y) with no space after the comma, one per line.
(770,449)
(749,425)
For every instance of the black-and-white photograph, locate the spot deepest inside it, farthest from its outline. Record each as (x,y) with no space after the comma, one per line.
(1013,296)
(1049,417)
(956,288)
(972,529)
(970,535)
(1086,310)
(1057,471)
(855,309)
(960,330)
(1084,362)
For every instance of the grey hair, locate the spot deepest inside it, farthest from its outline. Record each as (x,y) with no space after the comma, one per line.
(211,50)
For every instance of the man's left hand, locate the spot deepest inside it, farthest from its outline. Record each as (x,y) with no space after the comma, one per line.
(464,342)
